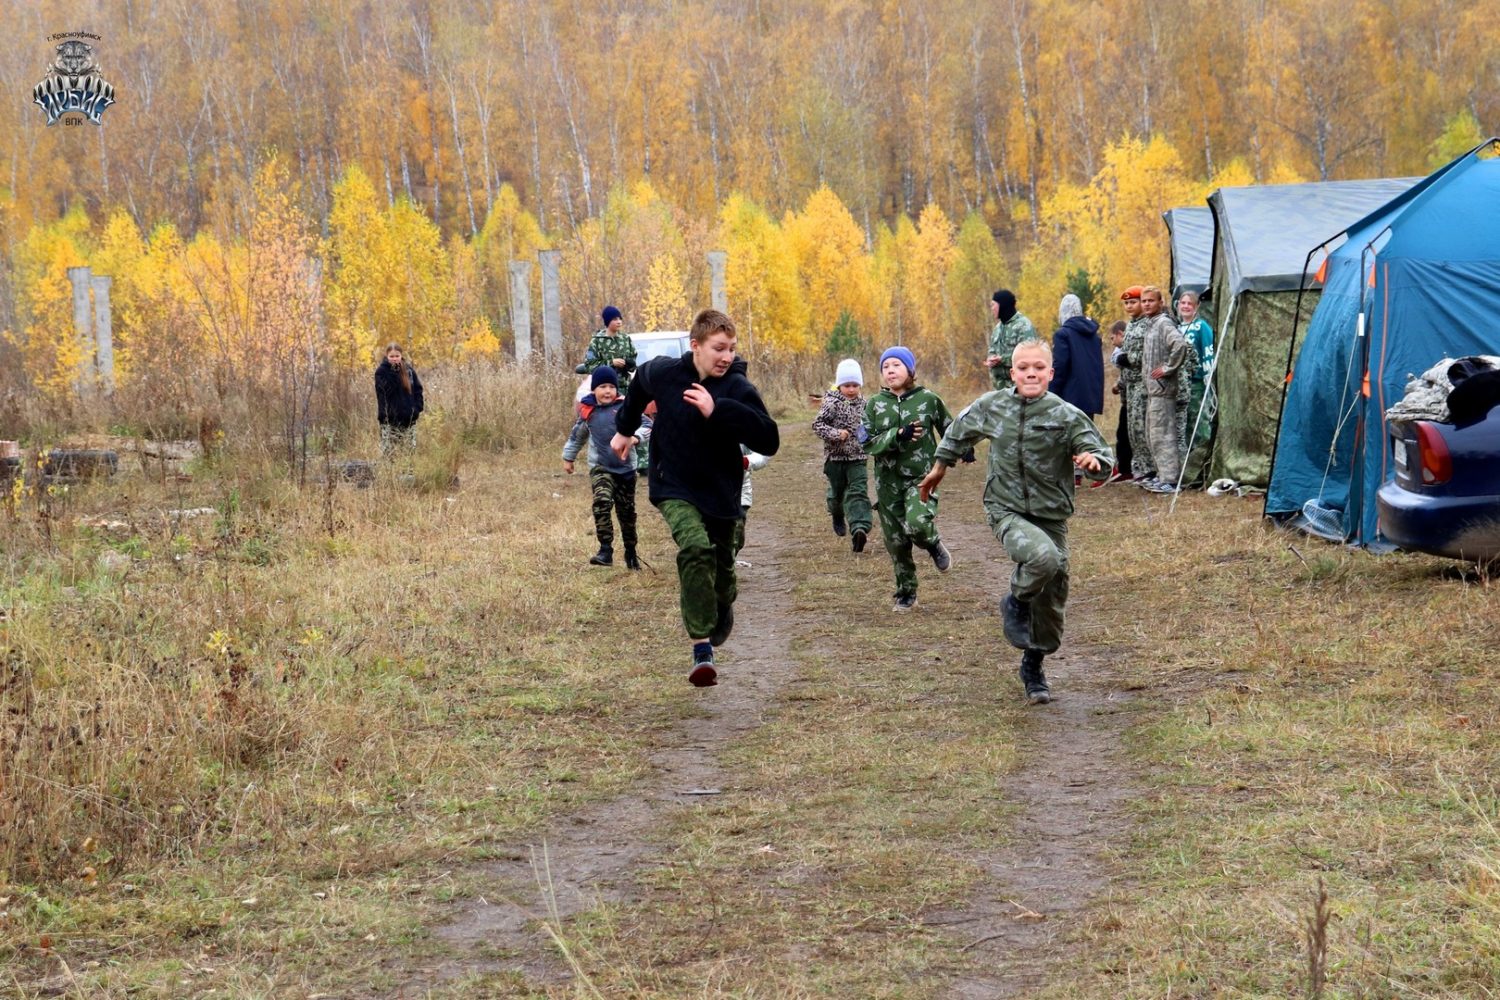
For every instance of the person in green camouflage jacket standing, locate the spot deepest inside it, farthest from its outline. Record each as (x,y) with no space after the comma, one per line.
(904,422)
(1011,328)
(1143,466)
(611,346)
(1037,440)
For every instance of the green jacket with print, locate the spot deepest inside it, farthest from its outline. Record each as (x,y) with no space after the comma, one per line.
(1003,340)
(1032,444)
(603,348)
(886,413)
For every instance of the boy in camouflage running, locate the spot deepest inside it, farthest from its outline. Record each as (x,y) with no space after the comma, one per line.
(611,346)
(904,422)
(1036,442)
(611,479)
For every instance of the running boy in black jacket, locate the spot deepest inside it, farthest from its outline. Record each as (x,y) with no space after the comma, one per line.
(705,409)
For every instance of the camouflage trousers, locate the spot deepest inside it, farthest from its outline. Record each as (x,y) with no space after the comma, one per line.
(705,564)
(905,521)
(1039,548)
(849,493)
(393,438)
(1163,430)
(1135,420)
(615,491)
(1196,441)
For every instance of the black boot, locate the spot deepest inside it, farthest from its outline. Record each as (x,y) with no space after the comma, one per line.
(723,626)
(1032,677)
(604,557)
(1016,616)
(631,560)
(838,525)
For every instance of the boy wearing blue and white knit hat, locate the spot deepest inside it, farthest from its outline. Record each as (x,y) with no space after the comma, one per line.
(905,422)
(841,424)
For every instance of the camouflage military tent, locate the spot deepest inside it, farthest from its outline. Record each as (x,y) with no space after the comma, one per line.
(1267,248)
(1190,231)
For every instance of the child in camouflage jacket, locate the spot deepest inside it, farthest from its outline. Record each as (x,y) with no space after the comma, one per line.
(904,422)
(1036,442)
(841,424)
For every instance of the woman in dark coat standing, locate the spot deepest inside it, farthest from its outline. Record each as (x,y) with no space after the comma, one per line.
(398,395)
(1077,359)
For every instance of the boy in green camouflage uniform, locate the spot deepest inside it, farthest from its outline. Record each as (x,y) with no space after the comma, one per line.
(904,422)
(1037,440)
(1011,327)
(611,346)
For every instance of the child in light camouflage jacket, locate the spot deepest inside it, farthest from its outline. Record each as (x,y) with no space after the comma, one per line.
(841,424)
(904,422)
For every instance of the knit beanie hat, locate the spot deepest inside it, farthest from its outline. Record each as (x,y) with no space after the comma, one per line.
(848,371)
(1006,300)
(902,355)
(603,374)
(610,314)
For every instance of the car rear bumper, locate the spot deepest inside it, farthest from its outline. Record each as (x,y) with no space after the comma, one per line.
(1457,527)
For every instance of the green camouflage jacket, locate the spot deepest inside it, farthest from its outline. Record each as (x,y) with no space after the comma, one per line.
(1032,444)
(603,348)
(1003,341)
(885,415)
(1134,347)
(1163,347)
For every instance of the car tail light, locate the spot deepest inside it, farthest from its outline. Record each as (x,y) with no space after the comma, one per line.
(1437,463)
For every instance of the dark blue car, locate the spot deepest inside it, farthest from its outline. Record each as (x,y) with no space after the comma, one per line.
(1445,498)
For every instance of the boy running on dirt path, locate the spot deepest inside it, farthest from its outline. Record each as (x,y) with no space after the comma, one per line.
(705,410)
(1036,441)
(611,479)
(905,420)
(841,424)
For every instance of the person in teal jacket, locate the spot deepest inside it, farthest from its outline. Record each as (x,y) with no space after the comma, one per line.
(1037,440)
(1199,430)
(904,422)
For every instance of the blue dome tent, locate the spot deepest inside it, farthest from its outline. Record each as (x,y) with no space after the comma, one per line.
(1413,282)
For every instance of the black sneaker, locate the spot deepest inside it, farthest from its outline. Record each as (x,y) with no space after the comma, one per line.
(1034,679)
(632,561)
(941,558)
(1016,616)
(857,540)
(723,626)
(905,602)
(838,525)
(703,673)
(604,557)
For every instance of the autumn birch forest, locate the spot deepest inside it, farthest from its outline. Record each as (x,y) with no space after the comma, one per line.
(297,183)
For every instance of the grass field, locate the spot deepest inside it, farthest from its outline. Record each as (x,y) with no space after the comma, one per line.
(268,751)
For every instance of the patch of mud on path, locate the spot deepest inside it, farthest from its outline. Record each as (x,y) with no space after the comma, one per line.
(1070,790)
(590,855)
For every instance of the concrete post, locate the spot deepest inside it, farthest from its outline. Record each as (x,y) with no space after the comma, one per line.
(83,316)
(104,341)
(717,260)
(520,307)
(552,305)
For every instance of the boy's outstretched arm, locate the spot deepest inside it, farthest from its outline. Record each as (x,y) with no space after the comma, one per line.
(746,418)
(629,420)
(1090,452)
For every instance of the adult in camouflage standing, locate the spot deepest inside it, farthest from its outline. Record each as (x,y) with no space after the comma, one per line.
(1199,429)
(1037,441)
(1163,358)
(1011,327)
(705,410)
(611,346)
(1132,377)
(904,422)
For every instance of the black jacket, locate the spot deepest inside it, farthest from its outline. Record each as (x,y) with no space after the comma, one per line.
(694,459)
(1078,365)
(397,407)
